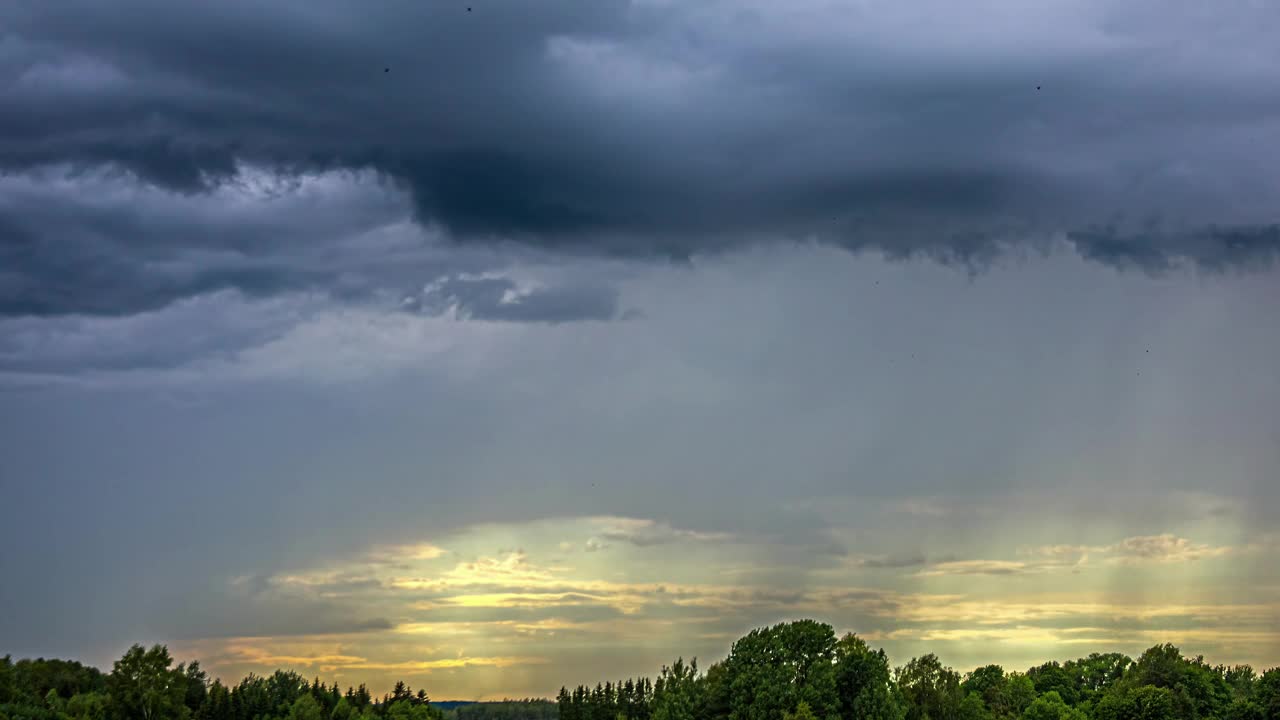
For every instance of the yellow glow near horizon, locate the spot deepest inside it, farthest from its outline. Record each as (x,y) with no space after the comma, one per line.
(466,618)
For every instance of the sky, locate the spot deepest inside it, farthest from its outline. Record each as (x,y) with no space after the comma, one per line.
(524,344)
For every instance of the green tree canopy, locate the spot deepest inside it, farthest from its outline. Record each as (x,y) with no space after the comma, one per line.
(1051,706)
(864,683)
(770,671)
(992,685)
(1053,677)
(342,711)
(972,707)
(1136,703)
(305,708)
(802,713)
(87,706)
(677,692)
(143,686)
(932,691)
(1020,692)
(1197,690)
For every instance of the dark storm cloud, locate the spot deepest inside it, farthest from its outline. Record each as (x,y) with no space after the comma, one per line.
(87,246)
(648,128)
(1213,248)
(128,254)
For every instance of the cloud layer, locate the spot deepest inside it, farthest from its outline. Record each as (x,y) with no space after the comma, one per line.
(1136,131)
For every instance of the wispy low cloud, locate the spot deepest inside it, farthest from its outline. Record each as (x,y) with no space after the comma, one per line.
(1161,548)
(643,532)
(1039,637)
(889,561)
(402,556)
(987,567)
(959,610)
(1144,549)
(329,656)
(426,666)
(509,569)
(567,599)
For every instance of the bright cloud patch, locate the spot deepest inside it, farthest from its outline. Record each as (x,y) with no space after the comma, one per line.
(462,604)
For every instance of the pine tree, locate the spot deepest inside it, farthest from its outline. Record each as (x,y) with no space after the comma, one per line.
(565,703)
(401,692)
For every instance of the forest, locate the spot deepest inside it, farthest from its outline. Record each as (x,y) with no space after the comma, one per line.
(791,671)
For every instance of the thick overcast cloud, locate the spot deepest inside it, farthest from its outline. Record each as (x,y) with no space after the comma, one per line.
(642,127)
(541,342)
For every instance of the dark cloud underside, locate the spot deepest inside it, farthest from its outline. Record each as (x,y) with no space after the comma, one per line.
(642,129)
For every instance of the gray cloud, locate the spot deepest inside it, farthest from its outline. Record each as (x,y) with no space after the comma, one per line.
(892,561)
(207,328)
(93,246)
(130,252)
(640,128)
(257,606)
(1212,247)
(1163,548)
(646,533)
(137,279)
(499,298)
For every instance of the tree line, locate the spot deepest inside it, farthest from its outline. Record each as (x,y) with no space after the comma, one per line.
(790,671)
(144,684)
(802,671)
